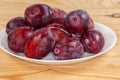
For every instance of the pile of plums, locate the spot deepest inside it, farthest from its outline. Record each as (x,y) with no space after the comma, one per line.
(44,29)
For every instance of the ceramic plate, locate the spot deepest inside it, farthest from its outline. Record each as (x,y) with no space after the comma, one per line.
(109,36)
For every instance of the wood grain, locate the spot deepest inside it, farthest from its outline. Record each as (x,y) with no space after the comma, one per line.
(105,67)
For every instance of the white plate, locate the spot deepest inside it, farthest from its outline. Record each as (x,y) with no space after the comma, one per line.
(110,40)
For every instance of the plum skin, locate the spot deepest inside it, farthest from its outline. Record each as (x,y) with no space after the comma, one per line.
(90,24)
(18,37)
(68,48)
(57,25)
(93,41)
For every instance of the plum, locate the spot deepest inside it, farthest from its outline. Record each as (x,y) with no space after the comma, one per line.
(59,16)
(93,41)
(58,31)
(38,15)
(68,48)
(15,23)
(40,44)
(57,25)
(18,37)
(77,21)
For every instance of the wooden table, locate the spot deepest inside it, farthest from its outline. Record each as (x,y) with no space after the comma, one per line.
(104,67)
